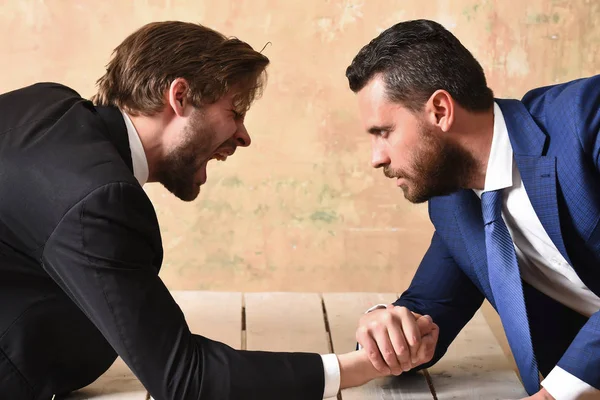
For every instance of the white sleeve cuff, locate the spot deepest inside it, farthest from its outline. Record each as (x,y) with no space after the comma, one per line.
(564,386)
(376,307)
(331,366)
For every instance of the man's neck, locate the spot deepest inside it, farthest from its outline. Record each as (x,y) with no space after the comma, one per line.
(476,133)
(146,127)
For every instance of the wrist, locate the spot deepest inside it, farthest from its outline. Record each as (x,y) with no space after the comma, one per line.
(356,369)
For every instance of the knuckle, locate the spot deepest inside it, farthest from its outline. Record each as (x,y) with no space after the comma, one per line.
(397,370)
(362,333)
(390,356)
(374,324)
(426,322)
(387,317)
(413,340)
(403,310)
(402,358)
(362,330)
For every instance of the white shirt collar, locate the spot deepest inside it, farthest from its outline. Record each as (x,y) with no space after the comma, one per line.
(138,155)
(498,174)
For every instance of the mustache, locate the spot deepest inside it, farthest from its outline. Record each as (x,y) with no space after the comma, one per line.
(391,173)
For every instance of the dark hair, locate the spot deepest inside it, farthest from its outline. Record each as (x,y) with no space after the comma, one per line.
(416,58)
(147,61)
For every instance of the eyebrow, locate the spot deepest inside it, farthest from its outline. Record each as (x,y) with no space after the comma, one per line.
(376,129)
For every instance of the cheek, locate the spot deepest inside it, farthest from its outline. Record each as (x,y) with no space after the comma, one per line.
(404,148)
(399,157)
(175,136)
(399,152)
(223,130)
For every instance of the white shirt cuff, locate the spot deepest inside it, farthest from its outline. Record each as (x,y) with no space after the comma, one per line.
(564,386)
(376,307)
(331,366)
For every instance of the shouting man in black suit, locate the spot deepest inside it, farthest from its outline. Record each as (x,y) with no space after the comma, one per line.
(80,246)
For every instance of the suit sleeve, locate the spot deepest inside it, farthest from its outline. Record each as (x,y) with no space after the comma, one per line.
(102,254)
(589,107)
(582,358)
(443,291)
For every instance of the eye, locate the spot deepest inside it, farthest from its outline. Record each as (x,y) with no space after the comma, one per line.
(238,115)
(382,131)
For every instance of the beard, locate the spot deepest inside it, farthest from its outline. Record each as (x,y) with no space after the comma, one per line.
(439,167)
(177,170)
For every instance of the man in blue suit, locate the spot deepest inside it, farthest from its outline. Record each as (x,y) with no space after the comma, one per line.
(514,196)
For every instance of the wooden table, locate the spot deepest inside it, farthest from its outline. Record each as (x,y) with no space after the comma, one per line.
(473,368)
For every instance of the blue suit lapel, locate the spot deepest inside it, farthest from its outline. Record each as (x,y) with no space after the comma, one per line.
(538,172)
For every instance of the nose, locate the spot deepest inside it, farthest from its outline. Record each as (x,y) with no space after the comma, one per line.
(242,138)
(379,156)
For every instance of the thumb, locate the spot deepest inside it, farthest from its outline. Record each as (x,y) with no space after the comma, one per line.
(425,324)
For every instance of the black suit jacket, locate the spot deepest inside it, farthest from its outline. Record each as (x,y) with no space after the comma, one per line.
(80,252)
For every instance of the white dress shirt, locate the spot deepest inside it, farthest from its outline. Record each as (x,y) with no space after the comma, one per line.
(140,171)
(540,262)
(138,155)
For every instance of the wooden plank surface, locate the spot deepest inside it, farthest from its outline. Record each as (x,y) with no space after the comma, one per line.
(118,383)
(343,312)
(285,322)
(215,315)
(475,367)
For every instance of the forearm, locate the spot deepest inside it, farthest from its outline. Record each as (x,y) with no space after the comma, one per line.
(111,275)
(356,369)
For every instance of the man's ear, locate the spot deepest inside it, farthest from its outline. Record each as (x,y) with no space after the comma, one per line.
(439,110)
(178,96)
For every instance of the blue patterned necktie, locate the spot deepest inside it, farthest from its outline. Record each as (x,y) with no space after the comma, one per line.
(505,281)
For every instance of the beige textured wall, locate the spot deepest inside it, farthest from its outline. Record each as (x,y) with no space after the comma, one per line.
(301,209)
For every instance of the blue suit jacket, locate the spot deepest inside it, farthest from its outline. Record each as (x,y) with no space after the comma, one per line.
(554,133)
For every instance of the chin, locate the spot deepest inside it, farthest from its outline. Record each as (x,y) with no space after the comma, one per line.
(188,194)
(415,198)
(421,196)
(412,199)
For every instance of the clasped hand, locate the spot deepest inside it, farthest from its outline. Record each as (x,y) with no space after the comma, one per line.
(397,340)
